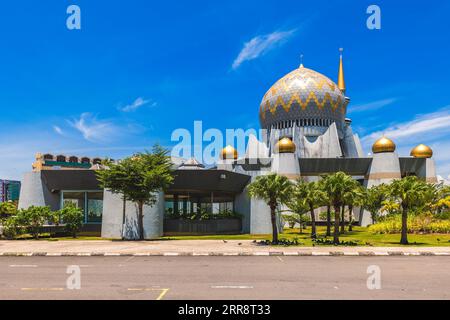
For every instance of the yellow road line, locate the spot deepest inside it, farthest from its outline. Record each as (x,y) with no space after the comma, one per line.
(161,295)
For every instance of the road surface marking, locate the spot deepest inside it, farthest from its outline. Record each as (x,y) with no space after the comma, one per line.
(161,295)
(279,258)
(42,289)
(232,287)
(23,266)
(171,254)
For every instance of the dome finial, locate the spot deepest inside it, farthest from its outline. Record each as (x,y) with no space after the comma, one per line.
(301,60)
(341,80)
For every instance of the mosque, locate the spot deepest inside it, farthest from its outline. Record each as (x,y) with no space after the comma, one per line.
(308,135)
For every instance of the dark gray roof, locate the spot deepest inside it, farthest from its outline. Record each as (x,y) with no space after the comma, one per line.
(411,165)
(208,180)
(317,166)
(56,180)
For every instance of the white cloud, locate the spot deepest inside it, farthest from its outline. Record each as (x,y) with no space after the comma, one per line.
(94,130)
(139,102)
(425,126)
(260,45)
(375,105)
(432,129)
(58,130)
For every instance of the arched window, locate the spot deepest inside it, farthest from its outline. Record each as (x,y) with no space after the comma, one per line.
(85,160)
(61,158)
(97,161)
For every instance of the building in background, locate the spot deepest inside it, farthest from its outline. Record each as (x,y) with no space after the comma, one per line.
(308,136)
(9,190)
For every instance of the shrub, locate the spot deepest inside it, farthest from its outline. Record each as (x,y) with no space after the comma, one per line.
(72,218)
(423,223)
(32,219)
(11,228)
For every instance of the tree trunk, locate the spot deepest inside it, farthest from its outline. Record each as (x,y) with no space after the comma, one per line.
(328,221)
(274,224)
(350,218)
(404,239)
(337,213)
(313,222)
(141,220)
(343,219)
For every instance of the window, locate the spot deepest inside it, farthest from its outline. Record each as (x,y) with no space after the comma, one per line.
(94,207)
(91,202)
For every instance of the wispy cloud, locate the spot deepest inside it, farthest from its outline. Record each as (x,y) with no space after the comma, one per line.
(93,129)
(58,130)
(139,102)
(427,126)
(375,105)
(260,45)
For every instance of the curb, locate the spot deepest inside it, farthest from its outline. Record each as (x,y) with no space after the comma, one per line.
(241,253)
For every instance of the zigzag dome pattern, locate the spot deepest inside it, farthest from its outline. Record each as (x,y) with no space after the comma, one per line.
(303,94)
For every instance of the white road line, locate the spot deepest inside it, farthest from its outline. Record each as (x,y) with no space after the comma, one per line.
(42,289)
(23,266)
(279,258)
(171,254)
(232,287)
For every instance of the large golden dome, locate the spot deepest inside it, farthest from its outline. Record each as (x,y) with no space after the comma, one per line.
(422,151)
(303,95)
(229,153)
(285,145)
(383,145)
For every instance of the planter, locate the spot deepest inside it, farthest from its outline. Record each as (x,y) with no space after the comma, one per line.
(202,227)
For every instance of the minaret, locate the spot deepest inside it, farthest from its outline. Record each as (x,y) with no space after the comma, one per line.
(341,79)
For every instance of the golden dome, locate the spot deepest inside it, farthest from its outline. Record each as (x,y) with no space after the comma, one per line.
(383,145)
(285,145)
(302,94)
(422,151)
(229,153)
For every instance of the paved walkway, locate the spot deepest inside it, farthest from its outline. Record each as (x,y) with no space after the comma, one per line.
(194,248)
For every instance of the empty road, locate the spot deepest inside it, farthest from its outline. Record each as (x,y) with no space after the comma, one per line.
(234,277)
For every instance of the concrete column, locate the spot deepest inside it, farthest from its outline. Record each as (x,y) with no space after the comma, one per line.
(33,192)
(384,168)
(112,220)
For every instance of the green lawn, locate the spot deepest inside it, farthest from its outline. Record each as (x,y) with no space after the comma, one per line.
(359,234)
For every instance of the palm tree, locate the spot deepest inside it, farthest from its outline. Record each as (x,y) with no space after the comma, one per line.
(275,190)
(336,185)
(298,208)
(353,197)
(312,196)
(326,202)
(373,200)
(411,193)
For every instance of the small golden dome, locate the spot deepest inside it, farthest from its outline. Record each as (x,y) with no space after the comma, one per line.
(383,145)
(229,153)
(285,145)
(422,151)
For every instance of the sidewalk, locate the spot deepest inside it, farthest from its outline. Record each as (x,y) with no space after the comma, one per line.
(195,248)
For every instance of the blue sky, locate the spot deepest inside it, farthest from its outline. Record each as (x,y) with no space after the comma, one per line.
(137,70)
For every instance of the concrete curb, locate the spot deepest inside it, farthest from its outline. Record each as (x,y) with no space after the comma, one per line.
(240,253)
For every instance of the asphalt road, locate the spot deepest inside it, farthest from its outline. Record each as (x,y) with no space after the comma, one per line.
(269,277)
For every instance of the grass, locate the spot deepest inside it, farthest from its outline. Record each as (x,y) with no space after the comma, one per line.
(359,234)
